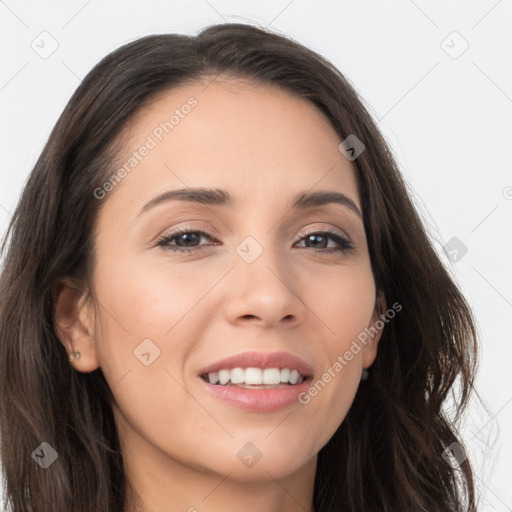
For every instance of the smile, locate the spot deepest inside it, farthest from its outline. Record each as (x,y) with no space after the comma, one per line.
(254,378)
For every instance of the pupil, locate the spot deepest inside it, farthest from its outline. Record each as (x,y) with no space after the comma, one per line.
(183,237)
(316,237)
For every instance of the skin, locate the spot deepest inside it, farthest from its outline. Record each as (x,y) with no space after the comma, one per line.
(180,443)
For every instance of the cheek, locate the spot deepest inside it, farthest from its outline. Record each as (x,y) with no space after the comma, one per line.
(145,301)
(150,317)
(143,338)
(344,302)
(138,309)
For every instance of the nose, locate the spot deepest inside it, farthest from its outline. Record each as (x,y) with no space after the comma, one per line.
(265,291)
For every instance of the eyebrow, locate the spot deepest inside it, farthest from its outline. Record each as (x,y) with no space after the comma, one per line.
(219,197)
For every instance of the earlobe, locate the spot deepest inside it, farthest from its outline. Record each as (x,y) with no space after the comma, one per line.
(376,329)
(73,321)
(380,305)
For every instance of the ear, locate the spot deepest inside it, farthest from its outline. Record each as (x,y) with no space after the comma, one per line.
(73,317)
(372,342)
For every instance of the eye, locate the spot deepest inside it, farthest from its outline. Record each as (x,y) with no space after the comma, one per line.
(184,236)
(187,239)
(321,237)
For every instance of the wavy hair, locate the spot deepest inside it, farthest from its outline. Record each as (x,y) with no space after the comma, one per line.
(388,453)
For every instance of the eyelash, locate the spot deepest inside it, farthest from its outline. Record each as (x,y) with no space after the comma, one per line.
(345,244)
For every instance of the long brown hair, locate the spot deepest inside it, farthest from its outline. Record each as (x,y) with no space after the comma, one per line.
(388,453)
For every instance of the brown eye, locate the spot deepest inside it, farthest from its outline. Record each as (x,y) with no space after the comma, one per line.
(319,241)
(186,240)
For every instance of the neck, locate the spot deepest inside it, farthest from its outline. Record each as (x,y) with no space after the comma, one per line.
(157,483)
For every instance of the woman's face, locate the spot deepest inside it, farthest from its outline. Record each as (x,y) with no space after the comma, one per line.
(255,279)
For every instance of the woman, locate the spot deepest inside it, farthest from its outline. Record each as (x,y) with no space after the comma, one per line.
(218,295)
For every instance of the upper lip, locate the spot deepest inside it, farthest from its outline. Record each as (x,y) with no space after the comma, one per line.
(261,360)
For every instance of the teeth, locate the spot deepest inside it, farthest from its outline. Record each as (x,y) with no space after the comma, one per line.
(237,375)
(255,376)
(294,376)
(224,376)
(271,376)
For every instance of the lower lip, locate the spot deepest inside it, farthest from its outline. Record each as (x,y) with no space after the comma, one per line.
(258,400)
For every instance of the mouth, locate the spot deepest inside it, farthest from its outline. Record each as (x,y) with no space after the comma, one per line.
(257,382)
(255,378)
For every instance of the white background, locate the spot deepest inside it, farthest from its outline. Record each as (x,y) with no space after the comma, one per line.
(448,121)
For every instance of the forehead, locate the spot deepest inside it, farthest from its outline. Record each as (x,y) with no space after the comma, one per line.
(261,143)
